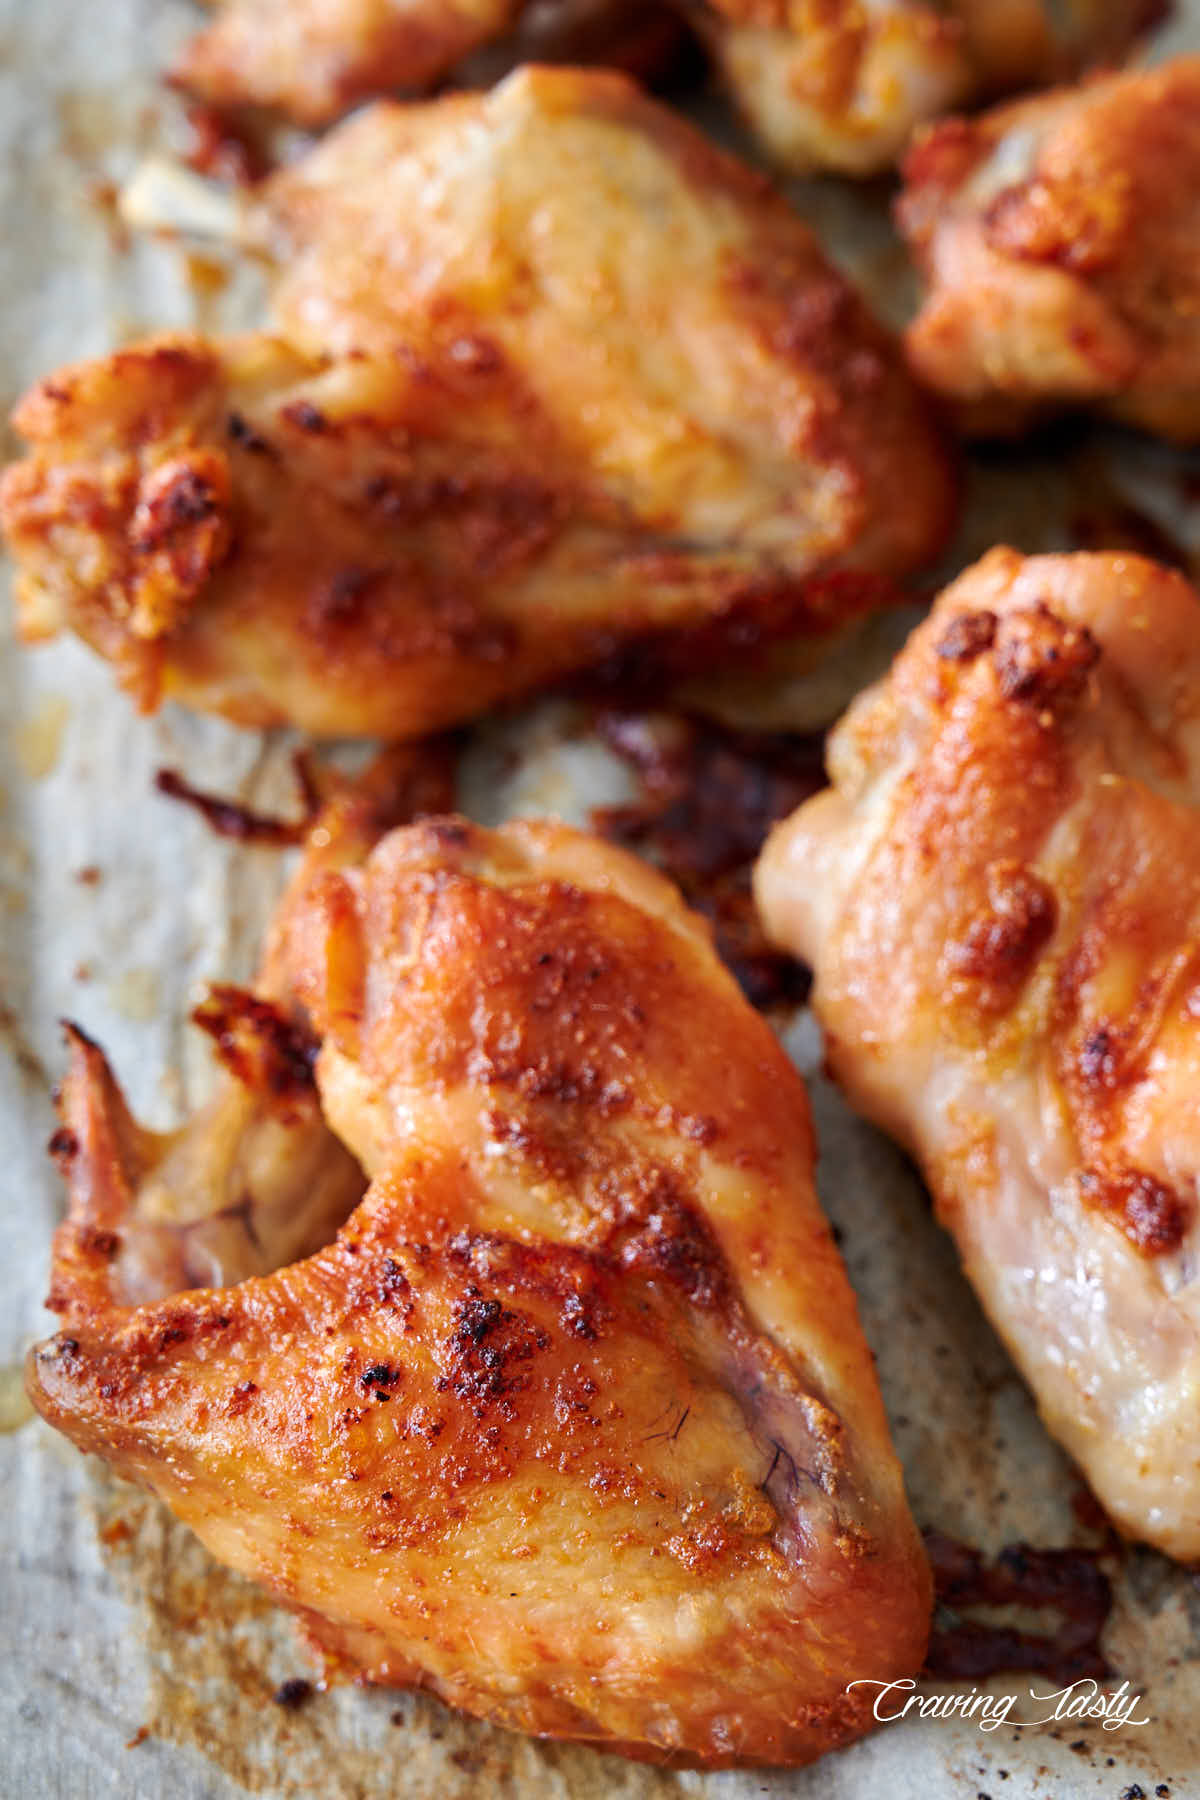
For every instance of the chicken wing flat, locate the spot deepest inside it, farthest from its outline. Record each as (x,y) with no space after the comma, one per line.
(1059,240)
(1000,899)
(841,84)
(315,59)
(572,1421)
(555,383)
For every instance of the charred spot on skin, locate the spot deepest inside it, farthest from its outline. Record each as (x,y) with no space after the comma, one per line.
(305,417)
(379,1379)
(293,1694)
(259,1045)
(61,1350)
(241,1398)
(1067,1582)
(1151,1214)
(63,1147)
(1040,660)
(185,497)
(560,1082)
(575,1317)
(341,601)
(97,1242)
(967,637)
(476,354)
(450,833)
(673,1241)
(179,533)
(1100,1058)
(394,1290)
(566,1279)
(1001,945)
(246,437)
(487,1351)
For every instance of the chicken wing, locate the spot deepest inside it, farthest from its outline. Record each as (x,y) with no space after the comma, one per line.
(1059,240)
(842,84)
(572,1421)
(1000,900)
(556,384)
(315,59)
(312,60)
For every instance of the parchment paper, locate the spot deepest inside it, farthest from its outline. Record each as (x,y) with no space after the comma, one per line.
(130,1666)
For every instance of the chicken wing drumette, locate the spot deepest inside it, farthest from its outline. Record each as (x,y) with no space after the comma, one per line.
(843,85)
(555,383)
(572,1421)
(1000,899)
(1059,240)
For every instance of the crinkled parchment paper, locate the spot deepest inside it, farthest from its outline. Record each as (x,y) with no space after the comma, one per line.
(130,1665)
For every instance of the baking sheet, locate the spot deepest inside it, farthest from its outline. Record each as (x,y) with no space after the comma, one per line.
(132,1666)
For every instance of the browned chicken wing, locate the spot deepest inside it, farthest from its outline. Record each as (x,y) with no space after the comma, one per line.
(572,1421)
(841,84)
(1000,900)
(557,384)
(1060,241)
(314,59)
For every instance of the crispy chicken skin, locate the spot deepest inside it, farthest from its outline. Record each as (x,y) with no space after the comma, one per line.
(556,383)
(573,1421)
(841,84)
(1059,241)
(315,59)
(1000,900)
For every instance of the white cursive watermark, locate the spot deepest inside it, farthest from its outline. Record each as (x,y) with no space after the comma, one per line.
(1084,1699)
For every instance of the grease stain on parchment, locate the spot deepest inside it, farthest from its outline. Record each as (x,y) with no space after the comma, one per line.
(15,1407)
(217,1651)
(38,739)
(135,994)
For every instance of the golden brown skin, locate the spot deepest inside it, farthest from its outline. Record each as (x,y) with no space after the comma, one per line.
(842,84)
(1000,900)
(315,59)
(573,1421)
(1059,238)
(556,384)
